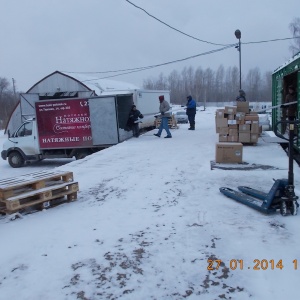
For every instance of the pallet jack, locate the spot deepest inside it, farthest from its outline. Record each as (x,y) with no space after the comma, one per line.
(282,194)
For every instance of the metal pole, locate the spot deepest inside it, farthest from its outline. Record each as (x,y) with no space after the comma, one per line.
(240,50)
(238,35)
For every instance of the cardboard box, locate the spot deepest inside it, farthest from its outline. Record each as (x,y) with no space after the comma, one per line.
(233,131)
(229,152)
(223,130)
(242,106)
(232,138)
(220,113)
(253,137)
(222,137)
(230,110)
(251,118)
(233,126)
(255,127)
(244,137)
(221,122)
(244,128)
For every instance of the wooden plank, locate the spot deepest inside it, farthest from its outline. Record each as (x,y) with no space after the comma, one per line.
(14,186)
(32,198)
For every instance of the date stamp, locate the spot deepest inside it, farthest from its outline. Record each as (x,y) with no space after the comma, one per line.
(257,264)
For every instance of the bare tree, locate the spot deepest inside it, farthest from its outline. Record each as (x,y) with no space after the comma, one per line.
(253,85)
(175,87)
(162,82)
(295,30)
(199,93)
(219,84)
(7,101)
(210,86)
(4,85)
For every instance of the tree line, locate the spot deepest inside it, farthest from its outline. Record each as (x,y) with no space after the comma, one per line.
(207,85)
(8,101)
(220,85)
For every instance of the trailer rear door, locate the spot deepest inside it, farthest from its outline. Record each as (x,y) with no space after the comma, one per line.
(103,119)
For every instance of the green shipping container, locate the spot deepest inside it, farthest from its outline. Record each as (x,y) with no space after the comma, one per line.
(284,76)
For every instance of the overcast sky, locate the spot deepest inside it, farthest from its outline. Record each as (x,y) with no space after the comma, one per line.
(42,36)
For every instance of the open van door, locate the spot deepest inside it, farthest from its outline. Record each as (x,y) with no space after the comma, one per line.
(103,119)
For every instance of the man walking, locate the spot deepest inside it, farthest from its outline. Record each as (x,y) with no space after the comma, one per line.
(164,107)
(191,111)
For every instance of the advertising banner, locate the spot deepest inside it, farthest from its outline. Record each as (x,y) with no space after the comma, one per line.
(64,124)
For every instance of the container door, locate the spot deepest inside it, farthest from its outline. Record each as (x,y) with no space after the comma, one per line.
(24,110)
(27,105)
(103,118)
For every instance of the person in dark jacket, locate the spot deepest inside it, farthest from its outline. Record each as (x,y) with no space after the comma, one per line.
(242,96)
(132,122)
(191,111)
(290,111)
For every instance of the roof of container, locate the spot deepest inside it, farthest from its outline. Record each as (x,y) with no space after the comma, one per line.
(94,83)
(101,85)
(296,56)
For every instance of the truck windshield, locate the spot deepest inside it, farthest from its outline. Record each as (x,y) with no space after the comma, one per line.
(25,129)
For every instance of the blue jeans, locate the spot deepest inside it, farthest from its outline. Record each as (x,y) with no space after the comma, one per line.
(164,125)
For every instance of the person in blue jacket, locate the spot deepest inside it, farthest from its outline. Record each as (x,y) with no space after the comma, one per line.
(191,111)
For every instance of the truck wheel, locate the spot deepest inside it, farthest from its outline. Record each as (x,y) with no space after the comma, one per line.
(16,160)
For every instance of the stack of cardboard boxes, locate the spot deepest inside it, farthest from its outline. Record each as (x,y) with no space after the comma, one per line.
(236,126)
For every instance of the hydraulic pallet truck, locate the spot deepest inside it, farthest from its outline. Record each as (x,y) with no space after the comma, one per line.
(282,195)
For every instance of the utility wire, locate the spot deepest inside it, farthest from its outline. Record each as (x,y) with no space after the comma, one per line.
(132,70)
(153,66)
(203,41)
(274,40)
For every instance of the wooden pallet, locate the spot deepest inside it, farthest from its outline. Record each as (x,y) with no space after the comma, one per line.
(36,190)
(171,122)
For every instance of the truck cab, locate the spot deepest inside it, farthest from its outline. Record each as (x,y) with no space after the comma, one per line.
(22,145)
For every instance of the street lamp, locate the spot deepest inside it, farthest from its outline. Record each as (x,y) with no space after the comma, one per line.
(238,35)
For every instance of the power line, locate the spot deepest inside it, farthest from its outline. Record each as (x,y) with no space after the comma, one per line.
(203,41)
(133,70)
(266,41)
(274,40)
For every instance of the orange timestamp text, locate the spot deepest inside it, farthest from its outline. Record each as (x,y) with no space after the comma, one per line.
(258,264)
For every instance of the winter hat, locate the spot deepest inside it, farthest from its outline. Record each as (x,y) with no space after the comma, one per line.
(161,98)
(189,97)
(133,106)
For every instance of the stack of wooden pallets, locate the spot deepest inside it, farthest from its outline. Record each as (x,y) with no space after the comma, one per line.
(171,122)
(36,190)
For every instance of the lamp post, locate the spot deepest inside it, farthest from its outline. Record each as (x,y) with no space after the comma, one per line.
(238,35)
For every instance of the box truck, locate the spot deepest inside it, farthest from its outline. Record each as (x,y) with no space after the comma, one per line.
(67,128)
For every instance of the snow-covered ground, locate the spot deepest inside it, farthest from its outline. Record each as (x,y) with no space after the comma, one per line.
(149,216)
